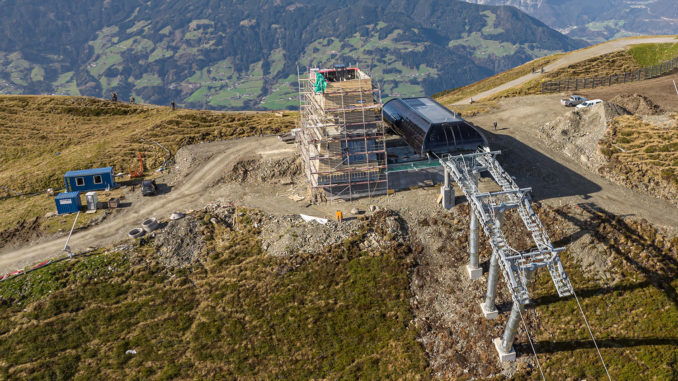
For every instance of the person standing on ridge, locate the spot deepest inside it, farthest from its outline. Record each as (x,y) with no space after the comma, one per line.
(114,97)
(495,125)
(173,105)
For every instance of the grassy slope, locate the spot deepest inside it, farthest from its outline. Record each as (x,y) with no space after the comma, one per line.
(642,55)
(57,134)
(343,314)
(633,312)
(42,137)
(450,96)
(642,153)
(653,54)
(340,315)
(607,64)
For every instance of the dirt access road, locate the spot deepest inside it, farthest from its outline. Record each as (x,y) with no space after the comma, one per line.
(574,57)
(201,187)
(554,177)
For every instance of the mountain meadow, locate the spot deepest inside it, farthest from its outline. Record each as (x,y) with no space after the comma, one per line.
(246,55)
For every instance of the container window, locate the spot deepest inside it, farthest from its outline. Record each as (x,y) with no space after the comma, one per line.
(97,179)
(79,181)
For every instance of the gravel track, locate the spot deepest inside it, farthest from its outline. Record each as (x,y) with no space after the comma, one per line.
(574,57)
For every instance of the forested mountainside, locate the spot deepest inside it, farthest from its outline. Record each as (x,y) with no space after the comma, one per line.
(600,20)
(244,55)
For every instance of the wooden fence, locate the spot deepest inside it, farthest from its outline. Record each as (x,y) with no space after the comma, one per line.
(574,84)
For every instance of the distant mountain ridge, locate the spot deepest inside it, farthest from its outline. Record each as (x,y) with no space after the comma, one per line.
(244,55)
(600,20)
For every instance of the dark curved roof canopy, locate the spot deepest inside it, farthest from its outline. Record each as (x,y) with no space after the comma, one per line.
(427,126)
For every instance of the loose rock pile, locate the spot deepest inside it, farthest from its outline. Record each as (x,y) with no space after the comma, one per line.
(637,104)
(180,243)
(577,134)
(267,170)
(287,235)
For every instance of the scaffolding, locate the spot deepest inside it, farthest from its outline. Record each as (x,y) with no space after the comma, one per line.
(341,138)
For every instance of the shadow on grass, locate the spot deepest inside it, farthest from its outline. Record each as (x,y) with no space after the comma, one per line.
(599,216)
(588,292)
(571,345)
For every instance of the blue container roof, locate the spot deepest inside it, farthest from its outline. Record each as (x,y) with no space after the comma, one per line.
(67,195)
(89,172)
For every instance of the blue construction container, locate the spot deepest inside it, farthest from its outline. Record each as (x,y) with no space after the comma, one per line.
(68,202)
(89,180)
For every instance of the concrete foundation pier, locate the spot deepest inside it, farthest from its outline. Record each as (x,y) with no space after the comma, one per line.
(473,267)
(447,191)
(504,344)
(489,308)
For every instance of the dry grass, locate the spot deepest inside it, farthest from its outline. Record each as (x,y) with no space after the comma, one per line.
(43,137)
(239,314)
(474,109)
(608,64)
(642,155)
(449,97)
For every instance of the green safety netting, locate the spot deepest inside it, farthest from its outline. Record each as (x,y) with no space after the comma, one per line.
(320,82)
(415,165)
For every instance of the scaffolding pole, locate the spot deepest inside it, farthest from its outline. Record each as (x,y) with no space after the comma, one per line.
(343,149)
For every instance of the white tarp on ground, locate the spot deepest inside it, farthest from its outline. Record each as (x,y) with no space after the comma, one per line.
(319,220)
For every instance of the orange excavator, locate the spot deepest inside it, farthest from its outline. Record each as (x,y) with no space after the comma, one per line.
(140,172)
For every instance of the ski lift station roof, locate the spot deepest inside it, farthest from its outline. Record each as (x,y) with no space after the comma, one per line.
(429,127)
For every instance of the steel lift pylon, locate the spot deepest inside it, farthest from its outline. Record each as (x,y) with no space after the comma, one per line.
(487,212)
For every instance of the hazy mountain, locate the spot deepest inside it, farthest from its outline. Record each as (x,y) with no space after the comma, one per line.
(235,54)
(600,19)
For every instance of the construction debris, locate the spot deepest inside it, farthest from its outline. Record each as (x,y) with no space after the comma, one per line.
(319,220)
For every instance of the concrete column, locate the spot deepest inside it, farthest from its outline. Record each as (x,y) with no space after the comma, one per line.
(447,177)
(447,191)
(504,345)
(473,268)
(489,308)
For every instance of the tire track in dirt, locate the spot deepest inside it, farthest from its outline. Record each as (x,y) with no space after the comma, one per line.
(192,194)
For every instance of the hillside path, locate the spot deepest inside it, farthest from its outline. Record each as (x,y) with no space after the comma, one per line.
(204,185)
(574,57)
(557,179)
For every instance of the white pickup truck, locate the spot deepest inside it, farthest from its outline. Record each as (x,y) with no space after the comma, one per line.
(590,103)
(572,101)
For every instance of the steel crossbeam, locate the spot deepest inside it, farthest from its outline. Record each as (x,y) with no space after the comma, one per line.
(487,205)
(487,212)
